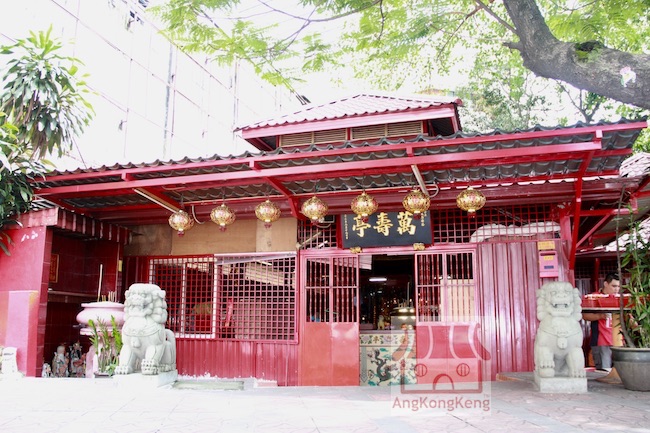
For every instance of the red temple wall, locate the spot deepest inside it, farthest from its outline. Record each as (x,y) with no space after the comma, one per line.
(23,295)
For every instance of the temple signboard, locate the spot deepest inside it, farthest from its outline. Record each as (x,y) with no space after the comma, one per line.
(384,229)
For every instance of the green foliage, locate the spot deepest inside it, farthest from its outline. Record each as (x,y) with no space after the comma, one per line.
(405,43)
(504,95)
(636,259)
(17,168)
(620,24)
(42,96)
(107,343)
(41,111)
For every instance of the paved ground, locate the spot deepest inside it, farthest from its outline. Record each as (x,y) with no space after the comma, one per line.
(84,405)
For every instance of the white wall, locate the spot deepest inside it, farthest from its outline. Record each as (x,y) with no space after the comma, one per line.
(152,101)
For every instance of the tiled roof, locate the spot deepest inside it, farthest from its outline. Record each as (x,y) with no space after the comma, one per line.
(537,166)
(358,105)
(381,149)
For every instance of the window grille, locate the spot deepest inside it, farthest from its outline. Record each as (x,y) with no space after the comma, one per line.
(233,297)
(257,298)
(189,292)
(316,236)
(445,287)
(497,224)
(332,289)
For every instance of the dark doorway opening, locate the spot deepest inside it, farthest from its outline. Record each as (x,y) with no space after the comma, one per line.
(387,294)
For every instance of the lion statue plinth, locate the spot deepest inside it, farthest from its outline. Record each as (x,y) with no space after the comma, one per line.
(558,342)
(148,346)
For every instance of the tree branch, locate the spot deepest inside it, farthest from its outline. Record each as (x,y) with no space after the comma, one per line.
(322,20)
(599,69)
(490,12)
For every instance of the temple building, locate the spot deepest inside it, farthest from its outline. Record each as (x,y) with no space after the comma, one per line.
(369,241)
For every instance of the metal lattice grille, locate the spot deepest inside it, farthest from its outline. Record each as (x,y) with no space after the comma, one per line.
(316,236)
(445,287)
(332,289)
(190,293)
(497,224)
(234,297)
(257,298)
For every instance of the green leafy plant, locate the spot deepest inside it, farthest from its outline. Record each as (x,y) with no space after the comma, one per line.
(107,343)
(636,260)
(43,95)
(17,169)
(42,110)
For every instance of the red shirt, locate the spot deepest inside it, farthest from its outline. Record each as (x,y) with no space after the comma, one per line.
(605,337)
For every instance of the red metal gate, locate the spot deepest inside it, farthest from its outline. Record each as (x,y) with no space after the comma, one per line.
(450,353)
(330,318)
(233,315)
(446,287)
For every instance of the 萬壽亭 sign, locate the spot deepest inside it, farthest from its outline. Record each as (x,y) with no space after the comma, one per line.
(385,229)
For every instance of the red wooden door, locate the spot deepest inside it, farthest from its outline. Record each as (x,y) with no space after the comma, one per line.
(330,318)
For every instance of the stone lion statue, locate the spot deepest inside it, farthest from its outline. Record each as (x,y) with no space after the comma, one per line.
(148,346)
(558,342)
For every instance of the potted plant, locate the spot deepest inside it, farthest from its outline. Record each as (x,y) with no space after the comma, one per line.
(107,343)
(632,362)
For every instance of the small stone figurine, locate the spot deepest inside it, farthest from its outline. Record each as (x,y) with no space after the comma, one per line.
(60,362)
(77,361)
(46,371)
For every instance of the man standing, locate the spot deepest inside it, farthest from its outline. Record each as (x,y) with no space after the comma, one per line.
(602,338)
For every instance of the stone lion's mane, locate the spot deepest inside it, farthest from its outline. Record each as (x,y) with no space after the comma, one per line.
(545,307)
(154,304)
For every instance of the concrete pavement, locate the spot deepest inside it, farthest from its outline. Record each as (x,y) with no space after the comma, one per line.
(35,405)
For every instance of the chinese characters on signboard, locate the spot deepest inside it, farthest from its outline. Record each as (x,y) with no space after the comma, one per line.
(385,229)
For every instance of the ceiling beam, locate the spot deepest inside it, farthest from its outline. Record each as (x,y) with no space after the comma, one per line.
(159,199)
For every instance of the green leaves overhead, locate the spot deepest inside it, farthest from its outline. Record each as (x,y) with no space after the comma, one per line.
(393,43)
(619,24)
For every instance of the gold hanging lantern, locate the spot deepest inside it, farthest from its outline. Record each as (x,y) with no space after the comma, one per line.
(181,221)
(364,205)
(416,202)
(470,200)
(222,215)
(314,209)
(267,212)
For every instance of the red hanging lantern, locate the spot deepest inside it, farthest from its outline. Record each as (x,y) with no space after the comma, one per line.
(364,205)
(416,202)
(222,215)
(470,200)
(181,221)
(267,212)
(315,209)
